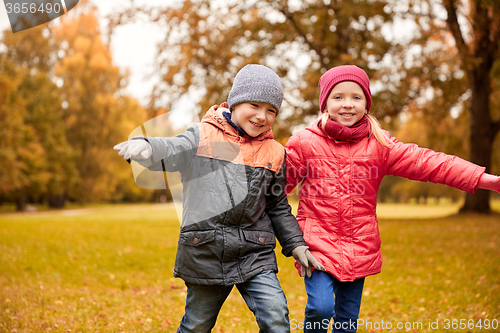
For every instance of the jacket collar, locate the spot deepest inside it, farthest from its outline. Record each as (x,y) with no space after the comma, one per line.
(315,129)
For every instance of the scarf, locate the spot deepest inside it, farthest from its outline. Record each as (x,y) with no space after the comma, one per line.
(343,133)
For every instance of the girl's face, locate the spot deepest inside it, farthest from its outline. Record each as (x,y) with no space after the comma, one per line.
(253,117)
(346,103)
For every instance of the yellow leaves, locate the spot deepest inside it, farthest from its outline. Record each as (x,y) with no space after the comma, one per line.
(71,120)
(82,44)
(74,63)
(99,62)
(45,149)
(73,27)
(481,279)
(166,323)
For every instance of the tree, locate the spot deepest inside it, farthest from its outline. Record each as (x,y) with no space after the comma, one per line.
(44,113)
(98,114)
(448,68)
(57,139)
(206,43)
(478,49)
(42,154)
(454,74)
(13,132)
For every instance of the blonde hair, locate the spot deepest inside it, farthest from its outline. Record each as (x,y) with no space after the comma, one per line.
(375,128)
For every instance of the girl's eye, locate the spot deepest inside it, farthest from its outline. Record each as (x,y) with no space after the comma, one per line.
(272,110)
(336,97)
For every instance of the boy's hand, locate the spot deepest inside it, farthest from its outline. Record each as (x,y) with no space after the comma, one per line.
(134,149)
(304,257)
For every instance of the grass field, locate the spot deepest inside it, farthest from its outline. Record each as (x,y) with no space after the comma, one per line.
(109,269)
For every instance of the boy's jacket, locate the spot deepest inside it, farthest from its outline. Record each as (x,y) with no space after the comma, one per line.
(234,204)
(338,194)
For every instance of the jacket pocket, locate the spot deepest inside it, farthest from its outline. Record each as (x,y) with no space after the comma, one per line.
(259,237)
(196,238)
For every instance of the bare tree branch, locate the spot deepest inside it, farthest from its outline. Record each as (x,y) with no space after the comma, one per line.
(452,21)
(297,28)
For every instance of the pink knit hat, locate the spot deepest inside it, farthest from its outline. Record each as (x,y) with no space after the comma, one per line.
(343,73)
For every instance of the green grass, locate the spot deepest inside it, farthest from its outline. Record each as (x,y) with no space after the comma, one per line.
(429,211)
(109,269)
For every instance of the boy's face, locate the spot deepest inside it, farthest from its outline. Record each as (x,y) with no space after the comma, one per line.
(254,117)
(346,103)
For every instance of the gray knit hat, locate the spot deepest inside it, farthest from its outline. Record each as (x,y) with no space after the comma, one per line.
(256,83)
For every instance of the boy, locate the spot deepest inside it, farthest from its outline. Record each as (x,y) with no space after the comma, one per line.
(234,205)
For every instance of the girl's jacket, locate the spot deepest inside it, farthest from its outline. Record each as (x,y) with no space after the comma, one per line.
(338,194)
(234,204)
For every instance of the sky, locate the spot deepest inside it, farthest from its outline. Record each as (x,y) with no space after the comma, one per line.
(133,46)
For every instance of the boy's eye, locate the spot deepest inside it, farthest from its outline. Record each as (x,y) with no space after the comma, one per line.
(271,110)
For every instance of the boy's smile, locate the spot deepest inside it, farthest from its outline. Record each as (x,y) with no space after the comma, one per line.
(346,103)
(253,117)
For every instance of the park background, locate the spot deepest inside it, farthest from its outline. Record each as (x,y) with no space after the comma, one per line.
(89,250)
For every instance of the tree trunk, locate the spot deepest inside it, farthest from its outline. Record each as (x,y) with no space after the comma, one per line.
(57,200)
(481,134)
(20,203)
(478,57)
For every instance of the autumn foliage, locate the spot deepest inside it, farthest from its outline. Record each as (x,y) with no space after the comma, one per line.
(63,109)
(62,104)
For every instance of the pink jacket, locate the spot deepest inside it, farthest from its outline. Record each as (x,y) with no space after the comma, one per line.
(338,194)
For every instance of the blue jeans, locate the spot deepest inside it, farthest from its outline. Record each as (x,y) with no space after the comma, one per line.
(262,294)
(321,305)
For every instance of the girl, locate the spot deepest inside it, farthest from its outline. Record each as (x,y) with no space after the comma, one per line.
(341,160)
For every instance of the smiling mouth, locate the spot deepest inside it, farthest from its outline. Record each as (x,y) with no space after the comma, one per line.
(255,124)
(347,115)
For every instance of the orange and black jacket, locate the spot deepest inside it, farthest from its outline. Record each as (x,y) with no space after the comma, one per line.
(234,204)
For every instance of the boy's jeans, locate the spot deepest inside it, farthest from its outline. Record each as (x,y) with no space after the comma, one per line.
(262,293)
(322,306)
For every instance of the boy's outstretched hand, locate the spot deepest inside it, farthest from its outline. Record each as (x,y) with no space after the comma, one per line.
(134,149)
(304,257)
(489,182)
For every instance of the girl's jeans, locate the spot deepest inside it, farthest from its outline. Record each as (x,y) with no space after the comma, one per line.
(322,306)
(262,294)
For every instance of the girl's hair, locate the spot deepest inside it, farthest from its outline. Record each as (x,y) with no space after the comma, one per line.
(375,128)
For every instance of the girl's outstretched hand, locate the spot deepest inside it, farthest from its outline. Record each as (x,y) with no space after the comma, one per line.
(306,260)
(489,182)
(134,149)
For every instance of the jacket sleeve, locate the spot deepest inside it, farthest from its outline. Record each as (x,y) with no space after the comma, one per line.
(425,165)
(285,225)
(295,170)
(172,154)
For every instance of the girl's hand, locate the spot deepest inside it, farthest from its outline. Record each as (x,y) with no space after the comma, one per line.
(489,182)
